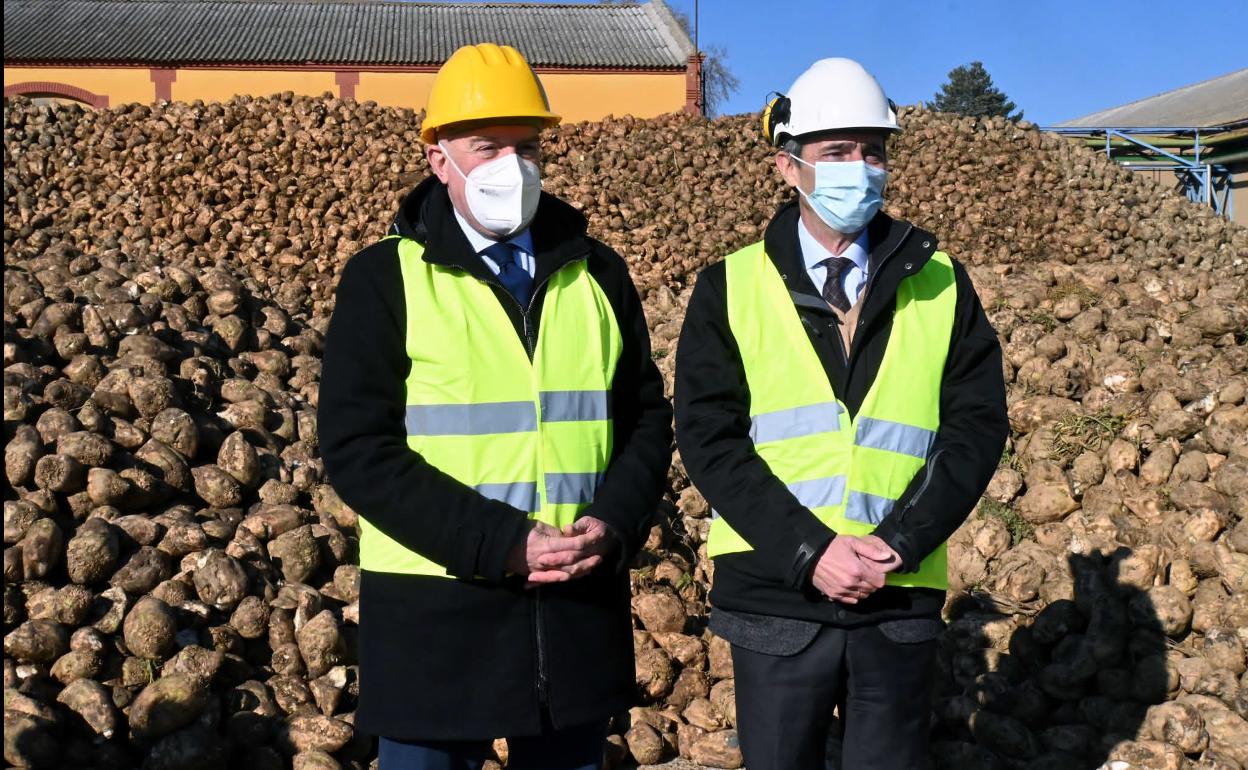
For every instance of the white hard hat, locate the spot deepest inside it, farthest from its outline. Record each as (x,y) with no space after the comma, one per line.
(833,94)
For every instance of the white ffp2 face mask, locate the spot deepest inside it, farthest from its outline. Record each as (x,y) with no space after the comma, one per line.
(502,194)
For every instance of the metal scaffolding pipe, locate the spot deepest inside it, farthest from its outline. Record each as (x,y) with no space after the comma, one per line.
(1213,140)
(1234,156)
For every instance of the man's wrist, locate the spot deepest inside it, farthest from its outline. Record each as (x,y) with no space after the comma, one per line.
(613,535)
(805,560)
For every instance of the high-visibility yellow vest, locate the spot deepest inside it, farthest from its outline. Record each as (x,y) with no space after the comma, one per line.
(848,472)
(534,434)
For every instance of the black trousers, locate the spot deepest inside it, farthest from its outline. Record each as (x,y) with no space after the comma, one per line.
(572,748)
(881,687)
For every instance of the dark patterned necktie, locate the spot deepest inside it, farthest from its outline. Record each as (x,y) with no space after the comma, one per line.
(833,293)
(513,276)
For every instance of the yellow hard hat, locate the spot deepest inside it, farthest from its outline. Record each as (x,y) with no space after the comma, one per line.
(484,82)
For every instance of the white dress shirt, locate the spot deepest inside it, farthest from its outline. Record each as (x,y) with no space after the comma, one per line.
(522,241)
(853,278)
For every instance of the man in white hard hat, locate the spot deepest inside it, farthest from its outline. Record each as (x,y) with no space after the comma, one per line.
(840,403)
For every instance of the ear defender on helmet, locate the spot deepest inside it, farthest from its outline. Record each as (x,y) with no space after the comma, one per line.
(775,113)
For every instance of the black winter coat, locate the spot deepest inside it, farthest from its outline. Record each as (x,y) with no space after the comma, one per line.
(712,430)
(481,658)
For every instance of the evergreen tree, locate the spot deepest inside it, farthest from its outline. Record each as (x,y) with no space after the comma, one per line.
(970,91)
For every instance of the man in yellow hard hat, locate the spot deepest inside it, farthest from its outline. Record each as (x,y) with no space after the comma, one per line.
(490,409)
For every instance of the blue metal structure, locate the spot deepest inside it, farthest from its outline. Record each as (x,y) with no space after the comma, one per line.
(1202,182)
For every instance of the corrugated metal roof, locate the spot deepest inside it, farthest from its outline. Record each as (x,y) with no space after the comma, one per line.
(1222,101)
(168,32)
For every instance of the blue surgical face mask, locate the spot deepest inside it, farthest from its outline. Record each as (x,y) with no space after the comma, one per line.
(847,194)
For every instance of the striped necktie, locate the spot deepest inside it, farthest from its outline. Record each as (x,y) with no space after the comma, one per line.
(833,292)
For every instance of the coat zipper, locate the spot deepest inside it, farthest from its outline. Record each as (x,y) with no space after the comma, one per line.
(543,684)
(840,346)
(930,470)
(529,342)
(814,329)
(862,318)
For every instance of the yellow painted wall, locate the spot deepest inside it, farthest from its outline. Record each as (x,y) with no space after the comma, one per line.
(576,97)
(591,97)
(395,89)
(122,85)
(219,85)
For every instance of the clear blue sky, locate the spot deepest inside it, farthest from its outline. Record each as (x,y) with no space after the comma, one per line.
(1055,59)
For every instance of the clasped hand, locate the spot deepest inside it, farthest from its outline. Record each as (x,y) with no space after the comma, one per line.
(852,568)
(551,555)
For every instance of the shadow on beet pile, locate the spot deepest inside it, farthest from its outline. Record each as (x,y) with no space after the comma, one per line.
(1063,687)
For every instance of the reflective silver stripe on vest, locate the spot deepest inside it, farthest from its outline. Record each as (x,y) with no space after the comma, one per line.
(571,488)
(795,423)
(817,493)
(471,419)
(573,405)
(814,493)
(894,437)
(867,508)
(520,494)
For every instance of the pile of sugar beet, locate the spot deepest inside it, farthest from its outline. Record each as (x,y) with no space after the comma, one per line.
(180,580)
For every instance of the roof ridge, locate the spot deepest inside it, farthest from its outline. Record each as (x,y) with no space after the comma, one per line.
(449,4)
(1170,92)
(381,32)
(666,22)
